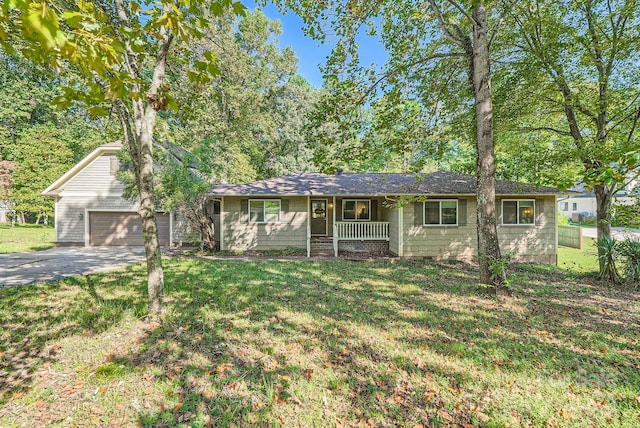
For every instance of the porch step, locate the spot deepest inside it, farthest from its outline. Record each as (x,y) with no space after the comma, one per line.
(321,246)
(321,253)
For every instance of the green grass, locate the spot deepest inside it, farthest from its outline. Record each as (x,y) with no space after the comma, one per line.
(302,343)
(26,237)
(584,260)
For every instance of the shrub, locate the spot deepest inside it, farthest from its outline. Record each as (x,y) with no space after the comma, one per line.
(563,220)
(608,254)
(626,215)
(630,250)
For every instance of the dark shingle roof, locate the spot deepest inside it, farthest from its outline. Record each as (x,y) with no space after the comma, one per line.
(374,184)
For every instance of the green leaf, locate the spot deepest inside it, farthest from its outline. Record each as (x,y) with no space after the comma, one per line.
(72,19)
(239,9)
(98,111)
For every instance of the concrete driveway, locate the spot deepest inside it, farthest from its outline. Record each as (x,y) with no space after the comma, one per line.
(617,233)
(47,265)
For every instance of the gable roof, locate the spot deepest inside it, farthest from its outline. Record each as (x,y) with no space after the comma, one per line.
(374,184)
(55,188)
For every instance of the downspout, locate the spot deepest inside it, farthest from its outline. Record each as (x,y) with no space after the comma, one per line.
(55,218)
(555,220)
(401,232)
(172,214)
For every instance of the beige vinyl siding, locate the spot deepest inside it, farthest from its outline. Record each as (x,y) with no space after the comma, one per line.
(183,233)
(531,243)
(291,231)
(95,178)
(524,243)
(440,242)
(393,216)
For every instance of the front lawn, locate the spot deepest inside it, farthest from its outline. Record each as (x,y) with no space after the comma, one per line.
(584,260)
(335,344)
(25,237)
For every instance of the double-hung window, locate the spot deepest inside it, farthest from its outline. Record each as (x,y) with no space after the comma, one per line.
(356,209)
(441,212)
(264,210)
(518,212)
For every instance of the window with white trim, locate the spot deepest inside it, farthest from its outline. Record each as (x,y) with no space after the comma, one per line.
(442,212)
(264,210)
(356,209)
(518,211)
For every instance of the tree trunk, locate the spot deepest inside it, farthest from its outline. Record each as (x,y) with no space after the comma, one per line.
(604,198)
(489,257)
(138,130)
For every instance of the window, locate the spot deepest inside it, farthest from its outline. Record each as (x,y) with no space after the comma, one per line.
(574,206)
(441,213)
(356,209)
(518,212)
(216,206)
(564,206)
(264,210)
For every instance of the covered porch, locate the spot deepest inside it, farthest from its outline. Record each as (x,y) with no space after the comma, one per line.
(353,224)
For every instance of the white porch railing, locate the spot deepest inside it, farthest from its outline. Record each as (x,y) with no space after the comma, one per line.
(361,230)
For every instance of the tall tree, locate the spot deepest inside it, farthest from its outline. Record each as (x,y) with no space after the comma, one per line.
(573,76)
(119,53)
(427,42)
(252,112)
(44,156)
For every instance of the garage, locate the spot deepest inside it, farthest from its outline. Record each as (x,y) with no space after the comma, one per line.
(123,228)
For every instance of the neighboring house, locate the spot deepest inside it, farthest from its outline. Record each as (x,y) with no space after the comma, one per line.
(5,187)
(5,211)
(350,212)
(583,202)
(90,209)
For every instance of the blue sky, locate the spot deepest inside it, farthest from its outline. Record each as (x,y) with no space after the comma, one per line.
(311,53)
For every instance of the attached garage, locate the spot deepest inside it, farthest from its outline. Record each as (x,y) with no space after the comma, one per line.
(123,228)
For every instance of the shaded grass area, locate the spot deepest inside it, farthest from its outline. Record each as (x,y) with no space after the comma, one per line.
(300,343)
(584,260)
(25,237)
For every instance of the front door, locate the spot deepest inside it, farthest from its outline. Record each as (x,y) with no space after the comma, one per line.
(318,217)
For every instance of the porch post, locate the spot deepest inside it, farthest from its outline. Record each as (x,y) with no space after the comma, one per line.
(335,229)
(308,226)
(220,223)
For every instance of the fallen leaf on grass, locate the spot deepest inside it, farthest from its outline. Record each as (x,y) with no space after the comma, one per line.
(39,404)
(564,414)
(482,417)
(148,391)
(308,373)
(207,394)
